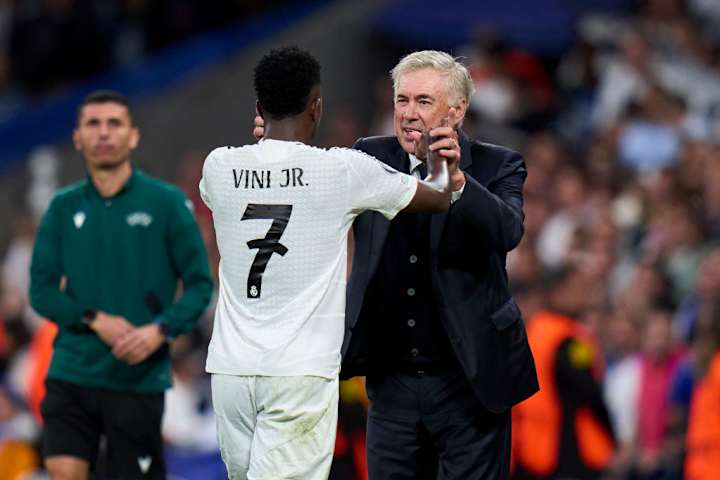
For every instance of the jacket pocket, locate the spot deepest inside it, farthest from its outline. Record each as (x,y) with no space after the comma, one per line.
(506,315)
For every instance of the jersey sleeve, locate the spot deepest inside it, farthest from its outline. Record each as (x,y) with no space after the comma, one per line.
(205,179)
(46,272)
(376,186)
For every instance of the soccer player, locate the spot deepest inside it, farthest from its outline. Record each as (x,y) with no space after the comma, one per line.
(282,210)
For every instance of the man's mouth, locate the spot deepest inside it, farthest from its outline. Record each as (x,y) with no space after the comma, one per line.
(409,131)
(104,149)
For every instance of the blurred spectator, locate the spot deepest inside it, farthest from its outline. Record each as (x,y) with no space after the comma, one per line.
(188,425)
(659,360)
(43,163)
(18,432)
(707,288)
(556,237)
(188,422)
(569,412)
(577,78)
(496,97)
(623,80)
(16,273)
(648,142)
(703,436)
(350,453)
(622,387)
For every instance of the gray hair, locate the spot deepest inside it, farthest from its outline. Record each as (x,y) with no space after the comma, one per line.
(460,85)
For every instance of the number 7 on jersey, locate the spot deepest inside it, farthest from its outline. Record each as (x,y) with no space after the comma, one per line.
(280,215)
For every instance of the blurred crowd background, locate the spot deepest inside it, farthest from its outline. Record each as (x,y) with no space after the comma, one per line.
(616,110)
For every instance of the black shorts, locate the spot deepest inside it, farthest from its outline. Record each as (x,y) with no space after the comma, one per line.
(75,417)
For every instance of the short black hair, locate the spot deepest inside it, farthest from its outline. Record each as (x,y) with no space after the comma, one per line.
(283,81)
(104,96)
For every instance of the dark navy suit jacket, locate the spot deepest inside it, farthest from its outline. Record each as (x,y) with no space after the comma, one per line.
(468,249)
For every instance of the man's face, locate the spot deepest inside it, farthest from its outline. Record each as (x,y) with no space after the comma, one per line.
(421,102)
(105,135)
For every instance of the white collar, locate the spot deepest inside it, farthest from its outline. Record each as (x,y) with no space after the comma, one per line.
(414,162)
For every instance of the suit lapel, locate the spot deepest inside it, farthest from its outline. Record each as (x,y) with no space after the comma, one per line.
(437,221)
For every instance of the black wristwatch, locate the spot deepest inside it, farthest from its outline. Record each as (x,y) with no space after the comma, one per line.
(165,330)
(89,316)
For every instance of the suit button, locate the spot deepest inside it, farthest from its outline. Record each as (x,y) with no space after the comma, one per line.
(411,292)
(411,322)
(413,259)
(414,352)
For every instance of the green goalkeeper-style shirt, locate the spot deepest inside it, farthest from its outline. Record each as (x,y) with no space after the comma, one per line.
(123,255)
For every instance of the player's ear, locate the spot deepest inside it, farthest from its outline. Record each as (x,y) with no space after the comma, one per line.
(134,138)
(316,109)
(258,109)
(76,140)
(456,113)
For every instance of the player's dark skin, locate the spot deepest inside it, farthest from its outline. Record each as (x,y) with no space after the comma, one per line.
(302,127)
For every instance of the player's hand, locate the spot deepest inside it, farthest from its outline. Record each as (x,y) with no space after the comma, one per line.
(446,145)
(110,327)
(138,344)
(259,130)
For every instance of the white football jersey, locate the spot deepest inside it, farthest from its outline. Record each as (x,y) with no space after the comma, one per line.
(282,211)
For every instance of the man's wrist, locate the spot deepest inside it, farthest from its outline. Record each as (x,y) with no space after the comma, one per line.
(89,317)
(456,194)
(164,329)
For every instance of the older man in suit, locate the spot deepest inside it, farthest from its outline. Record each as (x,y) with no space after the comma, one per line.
(430,319)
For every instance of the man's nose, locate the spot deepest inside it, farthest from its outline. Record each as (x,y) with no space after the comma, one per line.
(410,111)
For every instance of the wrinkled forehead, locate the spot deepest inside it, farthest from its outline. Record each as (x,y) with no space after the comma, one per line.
(423,81)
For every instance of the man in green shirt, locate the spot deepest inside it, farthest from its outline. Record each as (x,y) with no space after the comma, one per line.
(106,264)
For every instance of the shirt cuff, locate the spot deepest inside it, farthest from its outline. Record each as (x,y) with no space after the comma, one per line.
(455,196)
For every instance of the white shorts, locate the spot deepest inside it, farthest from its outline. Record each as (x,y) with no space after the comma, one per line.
(272,428)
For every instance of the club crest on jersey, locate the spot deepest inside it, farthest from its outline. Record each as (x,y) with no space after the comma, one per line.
(139,218)
(79,219)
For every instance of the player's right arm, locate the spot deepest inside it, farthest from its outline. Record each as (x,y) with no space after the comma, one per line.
(430,197)
(379,187)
